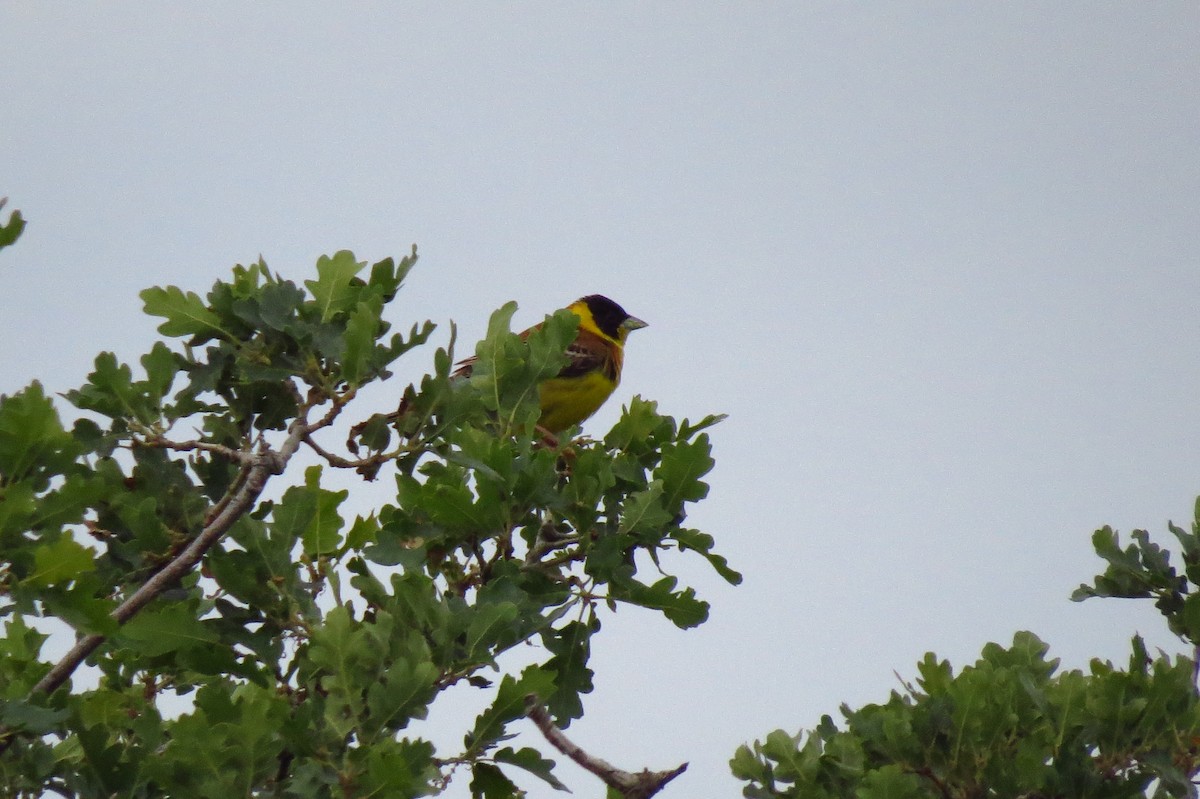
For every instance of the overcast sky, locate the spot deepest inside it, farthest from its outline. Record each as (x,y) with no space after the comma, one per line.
(940,263)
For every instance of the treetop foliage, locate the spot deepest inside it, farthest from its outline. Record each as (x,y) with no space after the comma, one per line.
(1013,724)
(172,526)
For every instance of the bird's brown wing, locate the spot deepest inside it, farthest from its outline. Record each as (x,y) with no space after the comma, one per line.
(465,366)
(588,353)
(591,353)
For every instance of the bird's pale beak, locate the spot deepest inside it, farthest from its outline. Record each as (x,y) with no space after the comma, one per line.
(633,323)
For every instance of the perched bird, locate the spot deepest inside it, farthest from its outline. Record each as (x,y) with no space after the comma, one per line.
(594,370)
(571,396)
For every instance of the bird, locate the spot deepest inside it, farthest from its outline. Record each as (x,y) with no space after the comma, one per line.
(591,375)
(594,370)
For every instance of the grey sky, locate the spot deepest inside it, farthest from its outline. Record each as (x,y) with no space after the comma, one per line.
(940,263)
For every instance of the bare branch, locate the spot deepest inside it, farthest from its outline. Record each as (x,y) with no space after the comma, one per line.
(640,785)
(560,560)
(338,462)
(297,397)
(549,540)
(235,455)
(928,774)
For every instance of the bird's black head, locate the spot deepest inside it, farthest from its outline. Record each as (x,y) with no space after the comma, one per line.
(608,315)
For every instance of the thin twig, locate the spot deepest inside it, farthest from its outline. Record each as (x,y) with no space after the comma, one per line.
(542,546)
(928,774)
(548,540)
(561,560)
(235,455)
(640,785)
(339,402)
(338,462)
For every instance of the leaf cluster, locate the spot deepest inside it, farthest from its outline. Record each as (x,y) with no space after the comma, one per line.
(1009,725)
(1145,570)
(1013,724)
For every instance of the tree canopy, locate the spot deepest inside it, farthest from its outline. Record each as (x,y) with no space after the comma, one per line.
(180,525)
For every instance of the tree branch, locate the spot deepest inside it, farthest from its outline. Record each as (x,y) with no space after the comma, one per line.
(339,402)
(338,462)
(158,442)
(262,465)
(640,785)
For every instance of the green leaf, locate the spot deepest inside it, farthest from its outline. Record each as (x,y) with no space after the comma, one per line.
(508,368)
(161,630)
(784,749)
(609,557)
(344,658)
(509,705)
(402,769)
(1189,543)
(644,514)
(498,354)
(548,344)
(186,314)
(20,641)
(491,627)
(33,444)
(1186,622)
(60,562)
(20,669)
(24,715)
(361,330)
(489,782)
(571,647)
(532,761)
(11,230)
(310,514)
(78,605)
(745,766)
(703,543)
(363,532)
(278,306)
(448,502)
(332,290)
(402,693)
(681,607)
(687,429)
(229,742)
(161,366)
(219,661)
(891,782)
(323,534)
(682,466)
(112,391)
(640,429)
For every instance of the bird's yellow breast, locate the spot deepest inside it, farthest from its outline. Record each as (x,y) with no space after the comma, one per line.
(567,401)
